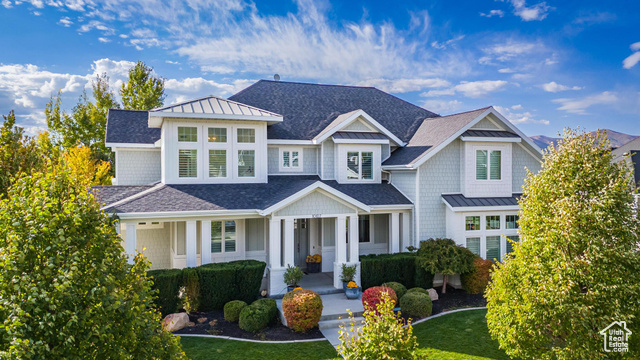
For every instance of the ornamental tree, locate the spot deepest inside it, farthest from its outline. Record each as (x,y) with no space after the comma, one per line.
(66,289)
(444,256)
(577,268)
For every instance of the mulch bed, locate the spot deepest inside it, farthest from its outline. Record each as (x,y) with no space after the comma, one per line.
(215,324)
(456,299)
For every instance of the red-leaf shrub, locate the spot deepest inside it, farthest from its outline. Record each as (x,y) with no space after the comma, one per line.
(373,296)
(302,309)
(476,281)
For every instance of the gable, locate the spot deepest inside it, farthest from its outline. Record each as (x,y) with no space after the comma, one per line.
(315,203)
(486,124)
(358,125)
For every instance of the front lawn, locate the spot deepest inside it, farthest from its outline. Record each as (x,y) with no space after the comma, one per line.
(458,336)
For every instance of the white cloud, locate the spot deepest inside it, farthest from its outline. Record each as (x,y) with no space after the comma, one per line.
(446,44)
(580,105)
(65,21)
(103,40)
(555,87)
(517,107)
(634,58)
(520,118)
(530,13)
(472,89)
(442,106)
(492,13)
(7,4)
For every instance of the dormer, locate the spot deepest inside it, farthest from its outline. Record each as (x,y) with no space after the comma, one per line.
(213,140)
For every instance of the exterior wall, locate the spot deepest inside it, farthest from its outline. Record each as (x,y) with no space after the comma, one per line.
(357,125)
(341,162)
(486,124)
(255,239)
(522,160)
(386,152)
(328,160)
(379,230)
(315,203)
(156,243)
(309,161)
(486,188)
(137,166)
(405,181)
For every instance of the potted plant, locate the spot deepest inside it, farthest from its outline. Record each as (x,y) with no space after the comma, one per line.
(348,273)
(292,277)
(352,291)
(314,263)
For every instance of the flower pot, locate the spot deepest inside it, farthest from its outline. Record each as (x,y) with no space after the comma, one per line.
(344,286)
(291,287)
(314,267)
(352,293)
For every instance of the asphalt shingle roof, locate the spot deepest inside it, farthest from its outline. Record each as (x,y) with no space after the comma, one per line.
(130,126)
(352,135)
(309,108)
(459,200)
(108,194)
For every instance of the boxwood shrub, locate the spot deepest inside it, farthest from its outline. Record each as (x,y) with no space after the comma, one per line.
(397,287)
(223,282)
(271,307)
(419,290)
(254,318)
(167,283)
(416,305)
(232,310)
(399,267)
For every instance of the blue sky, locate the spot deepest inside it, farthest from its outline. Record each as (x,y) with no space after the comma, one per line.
(544,65)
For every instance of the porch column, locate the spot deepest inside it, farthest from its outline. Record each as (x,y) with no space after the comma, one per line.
(130,241)
(394,233)
(191,244)
(205,242)
(288,243)
(275,246)
(354,239)
(406,231)
(340,249)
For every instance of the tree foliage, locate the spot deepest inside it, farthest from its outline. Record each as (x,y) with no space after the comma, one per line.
(143,91)
(443,256)
(577,268)
(84,169)
(66,289)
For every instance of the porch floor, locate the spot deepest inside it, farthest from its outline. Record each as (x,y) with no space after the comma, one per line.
(322,283)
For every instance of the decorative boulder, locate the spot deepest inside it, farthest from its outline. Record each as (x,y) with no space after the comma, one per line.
(175,322)
(433,294)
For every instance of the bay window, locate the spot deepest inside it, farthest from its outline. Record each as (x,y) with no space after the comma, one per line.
(223,236)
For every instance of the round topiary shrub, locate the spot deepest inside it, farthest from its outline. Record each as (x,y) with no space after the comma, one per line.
(271,307)
(232,310)
(254,318)
(373,296)
(397,287)
(476,281)
(302,309)
(416,305)
(418,290)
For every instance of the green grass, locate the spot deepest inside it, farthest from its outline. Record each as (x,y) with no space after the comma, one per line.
(458,336)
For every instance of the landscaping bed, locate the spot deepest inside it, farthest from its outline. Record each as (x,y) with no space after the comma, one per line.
(456,299)
(215,324)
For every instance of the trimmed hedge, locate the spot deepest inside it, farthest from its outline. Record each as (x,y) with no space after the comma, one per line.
(223,282)
(399,267)
(254,318)
(232,310)
(167,283)
(397,287)
(416,305)
(271,307)
(418,290)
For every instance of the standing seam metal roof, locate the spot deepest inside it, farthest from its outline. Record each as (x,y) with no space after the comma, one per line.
(214,105)
(459,200)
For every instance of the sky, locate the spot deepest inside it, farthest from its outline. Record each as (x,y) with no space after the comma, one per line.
(543,65)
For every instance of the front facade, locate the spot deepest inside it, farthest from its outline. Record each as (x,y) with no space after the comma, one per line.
(285,170)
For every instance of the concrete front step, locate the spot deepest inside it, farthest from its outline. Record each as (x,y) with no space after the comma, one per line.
(334,306)
(325,291)
(331,324)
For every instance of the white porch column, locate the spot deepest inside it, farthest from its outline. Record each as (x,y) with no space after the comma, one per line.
(275,246)
(394,233)
(190,238)
(288,243)
(205,242)
(406,231)
(130,241)
(354,243)
(340,249)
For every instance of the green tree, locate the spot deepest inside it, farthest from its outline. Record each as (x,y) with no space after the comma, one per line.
(66,289)
(443,256)
(143,91)
(577,268)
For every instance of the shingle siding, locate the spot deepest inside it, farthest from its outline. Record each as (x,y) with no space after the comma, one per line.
(522,160)
(156,244)
(357,126)
(485,124)
(137,167)
(315,203)
(328,160)
(309,161)
(405,181)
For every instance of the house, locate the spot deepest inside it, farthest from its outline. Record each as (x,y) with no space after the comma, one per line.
(630,152)
(282,170)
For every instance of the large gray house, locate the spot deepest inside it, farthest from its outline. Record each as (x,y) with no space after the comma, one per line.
(283,170)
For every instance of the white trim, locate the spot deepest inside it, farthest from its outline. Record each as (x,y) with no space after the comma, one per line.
(353,117)
(509,125)
(291,168)
(480,208)
(289,142)
(490,139)
(209,214)
(131,145)
(392,207)
(181,115)
(398,167)
(360,141)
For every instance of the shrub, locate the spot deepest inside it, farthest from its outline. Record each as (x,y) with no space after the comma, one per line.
(270,305)
(418,290)
(373,296)
(399,289)
(476,281)
(444,256)
(223,282)
(292,275)
(399,267)
(232,310)
(190,290)
(167,285)
(302,309)
(382,336)
(348,272)
(416,305)
(254,318)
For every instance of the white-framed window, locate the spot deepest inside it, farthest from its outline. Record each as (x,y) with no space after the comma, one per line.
(247,136)
(223,237)
(488,234)
(290,159)
(218,156)
(473,244)
(359,165)
(472,223)
(488,164)
(246,163)
(493,222)
(512,222)
(147,225)
(364,229)
(493,248)
(510,240)
(187,151)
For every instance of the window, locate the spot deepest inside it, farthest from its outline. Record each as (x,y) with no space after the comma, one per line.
(246,163)
(488,164)
(291,159)
(493,222)
(493,248)
(473,244)
(510,241)
(223,236)
(187,163)
(218,135)
(246,135)
(218,163)
(360,165)
(364,231)
(472,223)
(187,134)
(512,222)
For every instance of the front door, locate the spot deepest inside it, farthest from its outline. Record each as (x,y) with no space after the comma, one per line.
(301,241)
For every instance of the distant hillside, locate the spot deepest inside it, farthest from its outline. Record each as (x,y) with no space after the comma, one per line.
(617,139)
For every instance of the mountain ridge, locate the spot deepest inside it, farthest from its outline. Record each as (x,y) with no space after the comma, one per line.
(617,139)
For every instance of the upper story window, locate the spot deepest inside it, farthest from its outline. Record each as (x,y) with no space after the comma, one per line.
(512,222)
(217,135)
(472,223)
(187,152)
(360,165)
(488,164)
(246,163)
(291,159)
(493,222)
(247,135)
(187,134)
